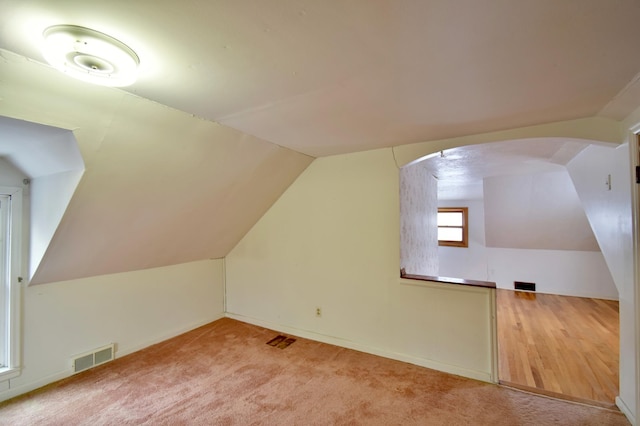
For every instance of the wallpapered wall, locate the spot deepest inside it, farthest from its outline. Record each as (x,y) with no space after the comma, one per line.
(418,226)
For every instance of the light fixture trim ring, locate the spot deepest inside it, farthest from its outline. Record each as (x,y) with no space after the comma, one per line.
(90,55)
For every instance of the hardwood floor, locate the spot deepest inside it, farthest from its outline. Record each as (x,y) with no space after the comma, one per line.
(559,344)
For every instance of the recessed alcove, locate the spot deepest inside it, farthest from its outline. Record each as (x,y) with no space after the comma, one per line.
(50,161)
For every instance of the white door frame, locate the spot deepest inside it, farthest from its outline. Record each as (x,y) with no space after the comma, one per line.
(634,159)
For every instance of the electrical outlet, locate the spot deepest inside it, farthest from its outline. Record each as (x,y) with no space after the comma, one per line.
(318,311)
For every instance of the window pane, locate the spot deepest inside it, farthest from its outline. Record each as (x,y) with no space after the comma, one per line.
(450,234)
(450,219)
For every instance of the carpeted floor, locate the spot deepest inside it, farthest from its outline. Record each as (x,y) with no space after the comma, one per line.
(225,374)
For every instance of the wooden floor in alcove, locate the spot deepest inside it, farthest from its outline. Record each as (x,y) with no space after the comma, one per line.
(559,345)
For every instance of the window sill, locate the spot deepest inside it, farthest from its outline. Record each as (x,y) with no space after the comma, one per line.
(448,280)
(7,373)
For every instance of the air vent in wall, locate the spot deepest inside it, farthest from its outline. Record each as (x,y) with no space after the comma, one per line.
(521,285)
(93,358)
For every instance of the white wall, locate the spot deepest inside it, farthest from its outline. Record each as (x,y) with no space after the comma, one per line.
(332,241)
(51,159)
(50,196)
(565,272)
(609,212)
(466,262)
(539,211)
(133,310)
(418,221)
(10,175)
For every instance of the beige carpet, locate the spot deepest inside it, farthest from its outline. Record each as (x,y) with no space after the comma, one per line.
(225,374)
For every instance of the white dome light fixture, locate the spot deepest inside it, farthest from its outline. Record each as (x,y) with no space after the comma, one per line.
(90,55)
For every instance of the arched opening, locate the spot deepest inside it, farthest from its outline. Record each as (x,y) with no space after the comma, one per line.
(535,216)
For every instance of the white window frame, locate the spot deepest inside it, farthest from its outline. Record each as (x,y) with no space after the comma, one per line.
(13,286)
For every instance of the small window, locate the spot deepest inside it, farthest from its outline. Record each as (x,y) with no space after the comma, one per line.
(452,226)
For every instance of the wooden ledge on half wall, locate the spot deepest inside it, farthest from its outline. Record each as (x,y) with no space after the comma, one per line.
(447,280)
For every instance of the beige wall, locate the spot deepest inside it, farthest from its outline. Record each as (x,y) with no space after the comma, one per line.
(132,310)
(332,241)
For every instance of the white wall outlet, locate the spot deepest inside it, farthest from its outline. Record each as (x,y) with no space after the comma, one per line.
(318,311)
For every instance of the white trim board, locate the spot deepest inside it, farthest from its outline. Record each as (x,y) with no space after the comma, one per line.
(422,362)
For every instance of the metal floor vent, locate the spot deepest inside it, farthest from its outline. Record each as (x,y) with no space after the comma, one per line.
(522,285)
(93,358)
(281,341)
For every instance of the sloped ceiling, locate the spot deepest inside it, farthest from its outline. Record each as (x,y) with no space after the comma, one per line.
(530,201)
(325,78)
(161,186)
(41,151)
(235,98)
(461,171)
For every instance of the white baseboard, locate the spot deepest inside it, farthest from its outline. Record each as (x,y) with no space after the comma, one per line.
(120,352)
(28,387)
(422,362)
(625,410)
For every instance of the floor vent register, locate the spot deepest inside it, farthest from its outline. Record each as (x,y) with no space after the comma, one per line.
(281,341)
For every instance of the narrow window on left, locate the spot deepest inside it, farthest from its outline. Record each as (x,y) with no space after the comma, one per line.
(10,226)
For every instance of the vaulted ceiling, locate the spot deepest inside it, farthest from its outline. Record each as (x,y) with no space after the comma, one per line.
(330,77)
(234,99)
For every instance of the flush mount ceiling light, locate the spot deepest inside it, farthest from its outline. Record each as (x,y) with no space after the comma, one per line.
(90,55)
